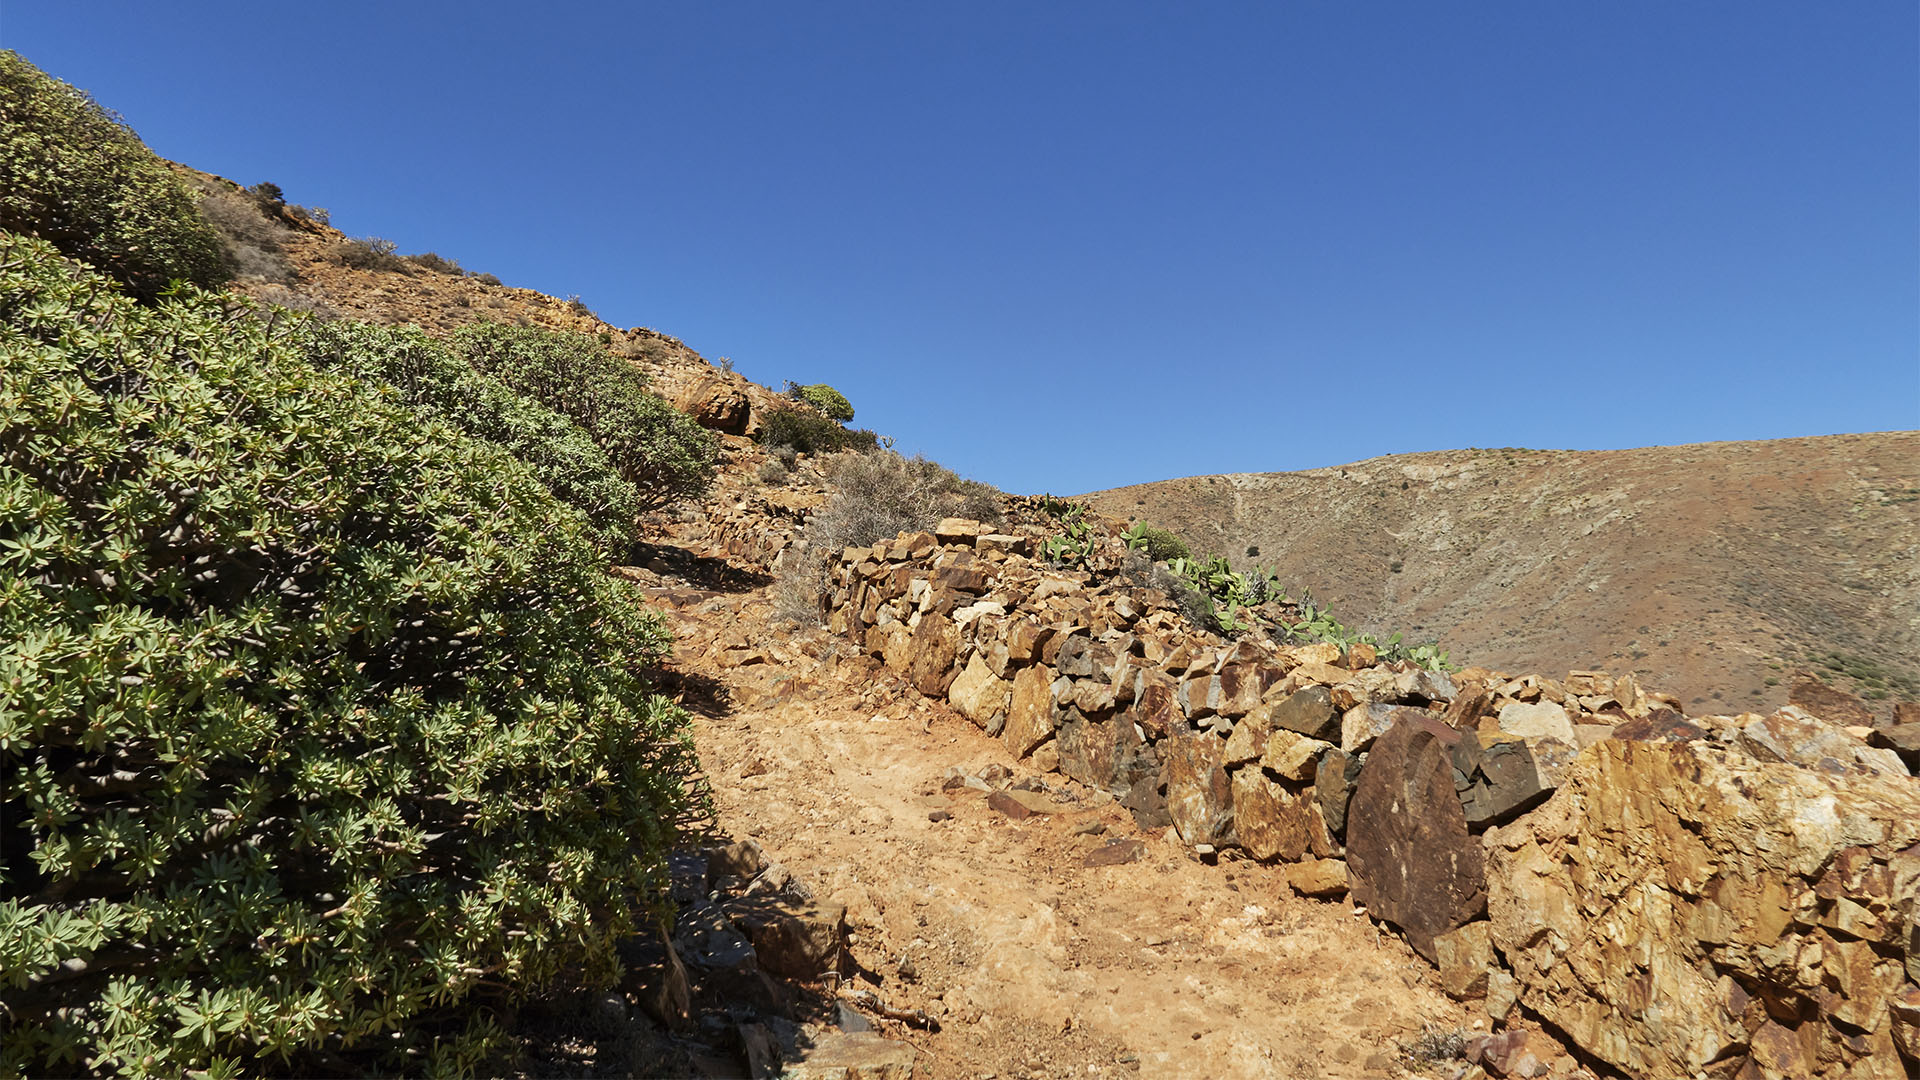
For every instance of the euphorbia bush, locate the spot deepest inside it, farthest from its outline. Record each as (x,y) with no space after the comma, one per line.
(322,727)
(660,449)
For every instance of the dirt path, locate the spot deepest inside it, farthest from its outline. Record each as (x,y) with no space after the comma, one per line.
(1033,964)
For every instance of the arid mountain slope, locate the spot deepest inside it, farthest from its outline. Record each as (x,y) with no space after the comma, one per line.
(1714,569)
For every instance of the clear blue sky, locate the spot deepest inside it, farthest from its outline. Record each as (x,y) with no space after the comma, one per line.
(1066,247)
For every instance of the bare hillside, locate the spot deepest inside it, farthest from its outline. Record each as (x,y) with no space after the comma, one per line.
(1714,569)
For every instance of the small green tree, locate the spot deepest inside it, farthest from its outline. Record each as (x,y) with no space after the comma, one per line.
(75,175)
(831,403)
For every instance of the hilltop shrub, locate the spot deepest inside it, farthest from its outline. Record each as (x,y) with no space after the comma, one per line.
(661,450)
(323,731)
(250,229)
(831,403)
(368,253)
(73,174)
(434,382)
(808,432)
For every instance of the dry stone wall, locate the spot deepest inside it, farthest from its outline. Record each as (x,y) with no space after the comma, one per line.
(1723,896)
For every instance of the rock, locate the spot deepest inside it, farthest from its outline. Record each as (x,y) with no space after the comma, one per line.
(1001,542)
(1506,1054)
(1241,686)
(1362,724)
(1158,707)
(863,1055)
(981,696)
(1318,877)
(1320,652)
(1661,725)
(1836,707)
(1249,738)
(1664,879)
(1413,861)
(800,941)
(1503,781)
(1147,802)
(959,531)
(1020,805)
(744,860)
(1269,821)
(1030,711)
(1114,853)
(1464,957)
(1026,640)
(1292,756)
(930,667)
(1333,780)
(716,404)
(1543,720)
(1309,712)
(1199,796)
(1503,993)
(1797,737)
(1902,739)
(1905,1007)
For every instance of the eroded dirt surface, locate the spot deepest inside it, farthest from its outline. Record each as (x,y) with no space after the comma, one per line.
(1032,964)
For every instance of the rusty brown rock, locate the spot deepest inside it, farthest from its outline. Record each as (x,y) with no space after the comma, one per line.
(1309,712)
(1114,853)
(1318,877)
(1465,956)
(1413,861)
(1831,704)
(1199,795)
(934,644)
(716,404)
(1663,876)
(1158,710)
(1269,821)
(1030,712)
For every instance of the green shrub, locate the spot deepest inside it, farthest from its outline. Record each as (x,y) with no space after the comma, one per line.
(73,174)
(1156,543)
(323,731)
(435,263)
(435,383)
(368,253)
(808,432)
(831,403)
(661,450)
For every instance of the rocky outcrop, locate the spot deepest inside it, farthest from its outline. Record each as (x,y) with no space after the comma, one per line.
(1678,905)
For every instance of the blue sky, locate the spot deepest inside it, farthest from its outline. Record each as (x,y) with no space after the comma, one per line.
(1067,247)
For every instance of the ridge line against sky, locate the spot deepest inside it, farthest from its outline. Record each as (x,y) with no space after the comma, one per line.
(1076,247)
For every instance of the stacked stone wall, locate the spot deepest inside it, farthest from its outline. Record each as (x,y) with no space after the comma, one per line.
(1730,896)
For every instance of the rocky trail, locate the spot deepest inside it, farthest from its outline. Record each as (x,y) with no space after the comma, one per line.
(1022,925)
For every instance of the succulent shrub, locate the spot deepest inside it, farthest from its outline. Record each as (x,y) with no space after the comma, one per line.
(808,432)
(659,449)
(323,730)
(1156,543)
(434,382)
(75,175)
(831,403)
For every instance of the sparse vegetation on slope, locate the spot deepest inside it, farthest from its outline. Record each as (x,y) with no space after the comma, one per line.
(322,727)
(73,174)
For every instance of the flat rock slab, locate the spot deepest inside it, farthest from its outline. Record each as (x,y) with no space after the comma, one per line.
(1115,853)
(1020,805)
(859,1055)
(1413,861)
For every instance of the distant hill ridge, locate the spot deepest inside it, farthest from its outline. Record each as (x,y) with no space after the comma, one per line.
(1715,569)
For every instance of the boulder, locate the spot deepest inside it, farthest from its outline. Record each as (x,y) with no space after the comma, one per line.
(716,404)
(1269,821)
(1199,796)
(1309,712)
(1797,737)
(932,649)
(1673,899)
(980,695)
(1333,779)
(1414,864)
(1464,957)
(1030,711)
(1318,877)
(1541,720)
(1835,706)
(1249,738)
(1362,724)
(1292,756)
